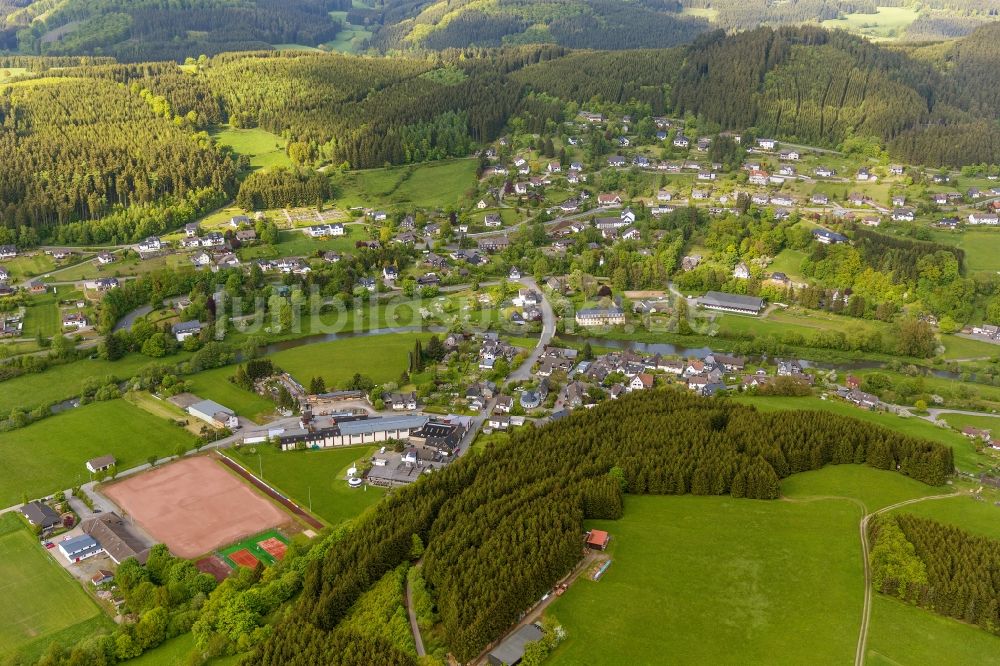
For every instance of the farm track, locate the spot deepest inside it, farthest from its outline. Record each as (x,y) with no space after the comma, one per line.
(859,654)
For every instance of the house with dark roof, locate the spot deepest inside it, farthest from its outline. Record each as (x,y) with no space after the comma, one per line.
(717,300)
(40,515)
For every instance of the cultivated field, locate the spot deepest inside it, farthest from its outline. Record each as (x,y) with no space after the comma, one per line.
(319,474)
(41,600)
(49,455)
(195,506)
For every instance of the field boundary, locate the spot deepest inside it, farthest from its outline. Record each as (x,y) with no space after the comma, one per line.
(271,492)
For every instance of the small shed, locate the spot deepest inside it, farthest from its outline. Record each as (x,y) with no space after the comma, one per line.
(598,539)
(100,463)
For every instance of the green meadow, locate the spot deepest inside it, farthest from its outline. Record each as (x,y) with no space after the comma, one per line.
(383,358)
(49,455)
(42,601)
(319,475)
(783,580)
(265,150)
(428,185)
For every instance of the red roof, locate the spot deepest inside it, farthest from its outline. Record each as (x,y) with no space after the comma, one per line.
(598,538)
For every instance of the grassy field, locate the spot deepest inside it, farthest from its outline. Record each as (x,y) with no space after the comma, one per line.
(889,23)
(322,474)
(43,602)
(959,421)
(965,511)
(128,266)
(176,651)
(713,573)
(902,635)
(49,455)
(29,265)
(297,244)
(966,457)
(875,488)
(383,358)
(788,262)
(42,316)
(433,184)
(264,149)
(796,320)
(349,39)
(66,381)
(163,409)
(956,347)
(982,247)
(215,385)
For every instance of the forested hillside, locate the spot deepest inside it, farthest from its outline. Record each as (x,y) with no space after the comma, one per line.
(594,24)
(78,153)
(137,30)
(824,87)
(502,527)
(134,158)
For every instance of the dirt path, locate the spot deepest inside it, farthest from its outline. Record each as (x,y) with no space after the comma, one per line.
(272,493)
(859,654)
(412,613)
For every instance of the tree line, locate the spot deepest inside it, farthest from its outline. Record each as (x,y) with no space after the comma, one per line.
(502,527)
(936,566)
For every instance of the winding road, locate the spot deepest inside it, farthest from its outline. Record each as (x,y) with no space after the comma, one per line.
(523,372)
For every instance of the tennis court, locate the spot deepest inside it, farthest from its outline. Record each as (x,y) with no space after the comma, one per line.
(267,547)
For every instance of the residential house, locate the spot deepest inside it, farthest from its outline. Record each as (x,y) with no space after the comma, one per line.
(981,219)
(767,144)
(185,329)
(40,515)
(75,320)
(681,141)
(100,464)
(790,155)
(8,251)
(105,258)
(903,215)
(151,244)
(609,200)
(617,161)
(828,237)
(641,382)
(742,271)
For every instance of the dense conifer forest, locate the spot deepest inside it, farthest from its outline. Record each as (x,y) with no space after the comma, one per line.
(503,527)
(138,30)
(939,567)
(136,158)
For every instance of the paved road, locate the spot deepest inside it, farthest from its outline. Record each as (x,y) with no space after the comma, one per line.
(128,320)
(523,372)
(859,654)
